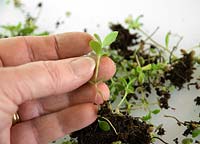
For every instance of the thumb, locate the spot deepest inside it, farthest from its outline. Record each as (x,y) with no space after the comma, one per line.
(44,78)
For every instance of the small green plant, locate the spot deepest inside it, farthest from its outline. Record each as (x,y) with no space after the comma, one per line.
(134,23)
(97,46)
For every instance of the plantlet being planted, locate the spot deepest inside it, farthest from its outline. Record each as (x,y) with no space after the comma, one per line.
(112,127)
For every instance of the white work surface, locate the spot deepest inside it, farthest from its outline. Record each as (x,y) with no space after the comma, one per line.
(178,16)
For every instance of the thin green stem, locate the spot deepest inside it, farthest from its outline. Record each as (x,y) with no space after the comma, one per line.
(156,43)
(122,101)
(97,68)
(144,101)
(96,77)
(137,59)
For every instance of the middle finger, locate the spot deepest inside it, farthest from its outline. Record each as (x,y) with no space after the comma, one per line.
(47,105)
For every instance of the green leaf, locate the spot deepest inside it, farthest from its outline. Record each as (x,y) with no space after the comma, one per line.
(156,111)
(96,47)
(129,91)
(98,38)
(141,77)
(15,28)
(198,60)
(110,38)
(133,71)
(139,69)
(27,31)
(103,125)
(129,19)
(129,86)
(152,50)
(68,14)
(146,67)
(141,60)
(167,39)
(187,141)
(135,24)
(195,133)
(147,117)
(138,18)
(123,81)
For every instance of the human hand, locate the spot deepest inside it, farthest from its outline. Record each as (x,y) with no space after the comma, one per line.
(45,80)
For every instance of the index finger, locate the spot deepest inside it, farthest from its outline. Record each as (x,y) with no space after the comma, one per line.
(21,50)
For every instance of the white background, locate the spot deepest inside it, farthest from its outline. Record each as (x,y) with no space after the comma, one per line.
(178,16)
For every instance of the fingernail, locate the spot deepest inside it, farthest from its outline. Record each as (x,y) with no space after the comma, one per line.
(83,66)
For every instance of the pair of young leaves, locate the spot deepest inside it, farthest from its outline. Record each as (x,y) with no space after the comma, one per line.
(98,45)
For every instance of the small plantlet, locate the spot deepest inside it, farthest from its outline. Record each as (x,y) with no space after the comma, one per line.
(97,46)
(134,23)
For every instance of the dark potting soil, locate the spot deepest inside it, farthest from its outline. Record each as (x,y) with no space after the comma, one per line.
(197,101)
(176,140)
(124,40)
(192,125)
(182,70)
(130,130)
(161,131)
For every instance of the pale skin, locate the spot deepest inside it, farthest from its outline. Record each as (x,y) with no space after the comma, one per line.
(46,79)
